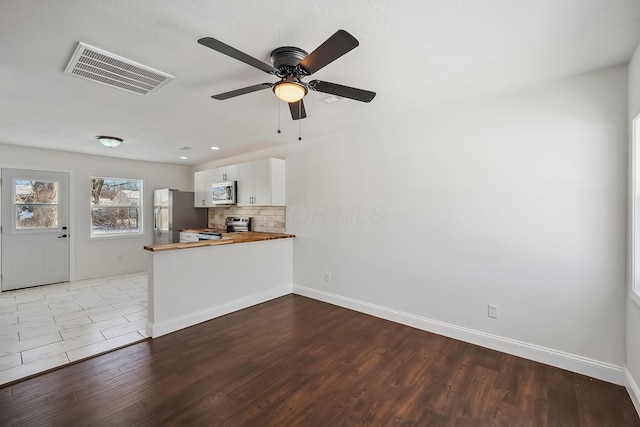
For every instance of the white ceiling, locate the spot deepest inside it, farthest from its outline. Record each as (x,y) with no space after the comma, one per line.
(415,54)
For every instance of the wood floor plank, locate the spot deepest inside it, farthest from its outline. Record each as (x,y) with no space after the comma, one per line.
(295,361)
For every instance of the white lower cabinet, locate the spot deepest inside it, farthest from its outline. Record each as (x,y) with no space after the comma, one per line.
(261,183)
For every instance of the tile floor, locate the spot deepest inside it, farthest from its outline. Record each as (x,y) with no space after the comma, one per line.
(49,326)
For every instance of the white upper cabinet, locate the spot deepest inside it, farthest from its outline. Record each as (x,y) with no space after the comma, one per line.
(202,195)
(261,183)
(227,173)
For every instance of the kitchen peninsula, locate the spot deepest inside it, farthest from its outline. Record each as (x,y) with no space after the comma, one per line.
(193,282)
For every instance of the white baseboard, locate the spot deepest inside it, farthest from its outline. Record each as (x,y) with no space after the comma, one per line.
(175,324)
(571,362)
(633,390)
(85,275)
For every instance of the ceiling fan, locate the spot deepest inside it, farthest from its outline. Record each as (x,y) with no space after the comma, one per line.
(291,65)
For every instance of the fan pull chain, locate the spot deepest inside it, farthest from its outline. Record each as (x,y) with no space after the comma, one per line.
(300,120)
(279,107)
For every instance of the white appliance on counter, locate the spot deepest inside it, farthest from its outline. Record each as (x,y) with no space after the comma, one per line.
(188,236)
(209,235)
(196,236)
(172,211)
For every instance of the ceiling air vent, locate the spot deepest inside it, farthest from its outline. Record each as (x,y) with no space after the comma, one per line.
(112,70)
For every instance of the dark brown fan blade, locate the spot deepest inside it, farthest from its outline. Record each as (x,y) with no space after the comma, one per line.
(333,48)
(343,91)
(297,110)
(217,45)
(244,90)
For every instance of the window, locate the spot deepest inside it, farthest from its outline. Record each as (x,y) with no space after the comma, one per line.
(116,207)
(35,204)
(635,209)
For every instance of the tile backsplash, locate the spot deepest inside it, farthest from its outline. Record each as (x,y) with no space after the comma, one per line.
(263,218)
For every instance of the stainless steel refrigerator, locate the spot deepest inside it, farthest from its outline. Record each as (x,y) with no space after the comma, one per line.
(173,210)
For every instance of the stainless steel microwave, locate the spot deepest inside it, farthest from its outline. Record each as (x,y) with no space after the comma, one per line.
(224,193)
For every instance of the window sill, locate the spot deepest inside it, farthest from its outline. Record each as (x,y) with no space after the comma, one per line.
(117,236)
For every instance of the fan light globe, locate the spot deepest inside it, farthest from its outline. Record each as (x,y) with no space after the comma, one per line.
(289,91)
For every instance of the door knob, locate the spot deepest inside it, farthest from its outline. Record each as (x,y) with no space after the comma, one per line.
(64,236)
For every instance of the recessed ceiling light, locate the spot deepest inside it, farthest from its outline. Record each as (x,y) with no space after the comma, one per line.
(330,99)
(215,148)
(183,157)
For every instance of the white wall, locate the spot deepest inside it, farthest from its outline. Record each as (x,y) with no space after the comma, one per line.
(517,201)
(99,257)
(633,310)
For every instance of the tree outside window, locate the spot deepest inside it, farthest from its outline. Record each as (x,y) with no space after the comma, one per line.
(116,206)
(36,204)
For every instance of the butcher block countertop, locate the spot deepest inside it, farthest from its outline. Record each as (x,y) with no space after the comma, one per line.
(227,238)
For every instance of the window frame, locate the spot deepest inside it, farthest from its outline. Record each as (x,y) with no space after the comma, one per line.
(26,230)
(139,207)
(634,290)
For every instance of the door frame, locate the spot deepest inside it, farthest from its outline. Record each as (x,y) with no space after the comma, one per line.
(72,211)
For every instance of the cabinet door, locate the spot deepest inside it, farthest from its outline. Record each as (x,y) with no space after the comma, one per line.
(200,189)
(277,181)
(202,181)
(227,173)
(245,184)
(261,183)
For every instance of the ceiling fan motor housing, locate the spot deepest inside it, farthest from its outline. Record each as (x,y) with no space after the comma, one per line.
(286,59)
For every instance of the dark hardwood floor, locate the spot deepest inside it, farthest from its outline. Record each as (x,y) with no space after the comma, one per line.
(294,361)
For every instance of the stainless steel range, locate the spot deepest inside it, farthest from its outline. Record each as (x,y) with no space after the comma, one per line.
(234,223)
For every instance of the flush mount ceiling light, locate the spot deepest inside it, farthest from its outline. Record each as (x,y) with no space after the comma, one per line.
(109,141)
(289,91)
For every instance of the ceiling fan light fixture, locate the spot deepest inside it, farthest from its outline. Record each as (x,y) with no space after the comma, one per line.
(109,141)
(289,91)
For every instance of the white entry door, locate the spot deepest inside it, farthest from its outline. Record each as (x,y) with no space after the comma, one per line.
(35,228)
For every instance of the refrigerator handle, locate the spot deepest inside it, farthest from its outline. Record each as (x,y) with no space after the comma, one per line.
(156,220)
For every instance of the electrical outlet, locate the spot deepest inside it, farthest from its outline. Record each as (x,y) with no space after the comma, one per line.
(327,276)
(492,311)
